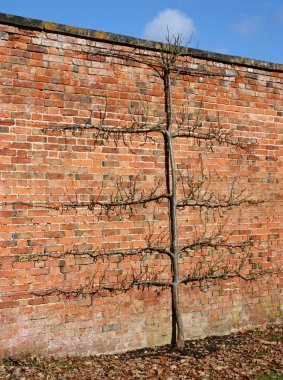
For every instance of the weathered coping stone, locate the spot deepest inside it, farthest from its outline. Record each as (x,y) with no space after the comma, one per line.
(131,41)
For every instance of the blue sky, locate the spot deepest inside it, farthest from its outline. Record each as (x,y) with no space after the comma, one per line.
(249,28)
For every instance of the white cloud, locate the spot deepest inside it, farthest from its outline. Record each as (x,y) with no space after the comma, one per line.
(248,26)
(170,20)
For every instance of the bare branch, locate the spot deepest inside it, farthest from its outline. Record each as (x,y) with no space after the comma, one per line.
(217,204)
(98,253)
(217,243)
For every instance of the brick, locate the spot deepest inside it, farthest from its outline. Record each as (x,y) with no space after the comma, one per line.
(49,80)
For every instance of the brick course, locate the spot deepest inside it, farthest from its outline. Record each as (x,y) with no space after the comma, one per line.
(50,78)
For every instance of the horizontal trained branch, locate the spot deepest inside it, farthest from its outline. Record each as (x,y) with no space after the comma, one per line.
(97,254)
(216,204)
(91,205)
(226,276)
(220,243)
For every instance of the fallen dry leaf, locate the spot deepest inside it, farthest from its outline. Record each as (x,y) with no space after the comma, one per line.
(244,356)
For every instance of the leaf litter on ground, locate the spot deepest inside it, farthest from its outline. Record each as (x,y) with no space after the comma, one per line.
(253,354)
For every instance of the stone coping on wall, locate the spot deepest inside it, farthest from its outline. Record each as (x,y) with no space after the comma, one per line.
(131,41)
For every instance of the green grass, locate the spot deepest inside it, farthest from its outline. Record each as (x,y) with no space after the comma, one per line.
(271,376)
(275,337)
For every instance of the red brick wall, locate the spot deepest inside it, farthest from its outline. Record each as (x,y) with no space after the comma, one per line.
(49,80)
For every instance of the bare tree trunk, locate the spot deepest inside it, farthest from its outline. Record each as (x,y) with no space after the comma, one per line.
(177,315)
(177,323)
